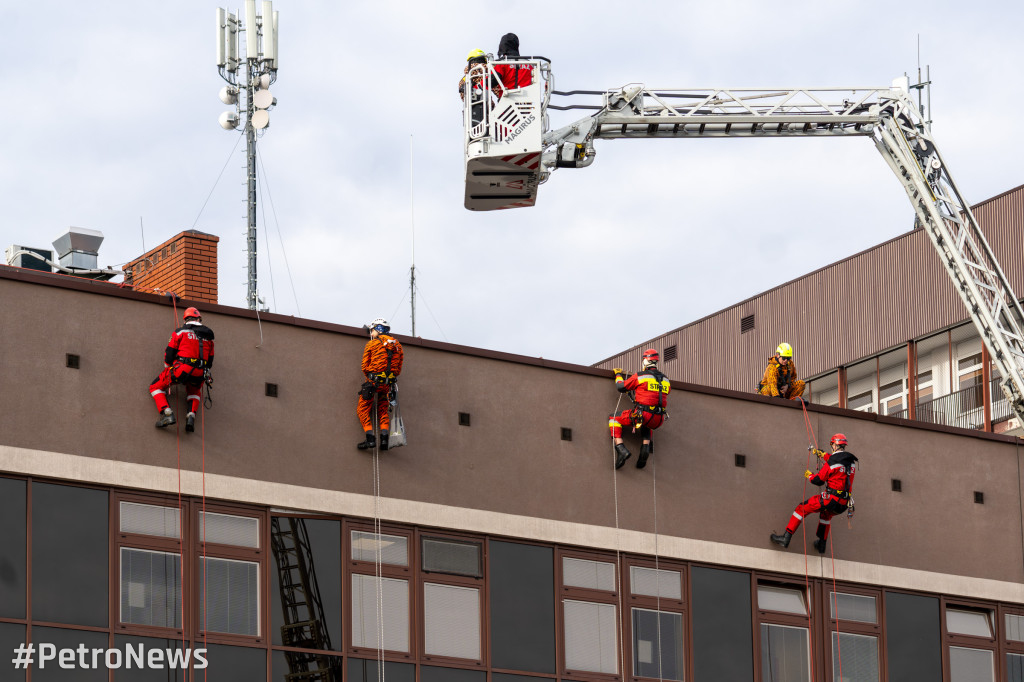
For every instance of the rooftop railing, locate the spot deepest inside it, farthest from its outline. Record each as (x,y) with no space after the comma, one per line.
(963,408)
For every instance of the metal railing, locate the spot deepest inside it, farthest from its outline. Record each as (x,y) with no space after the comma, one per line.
(963,408)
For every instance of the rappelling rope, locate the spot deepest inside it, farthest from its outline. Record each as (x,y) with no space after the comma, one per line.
(379,541)
(181,536)
(813,441)
(657,570)
(618,551)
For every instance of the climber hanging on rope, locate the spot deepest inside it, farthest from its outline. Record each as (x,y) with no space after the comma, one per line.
(837,477)
(187,361)
(649,390)
(382,363)
(780,375)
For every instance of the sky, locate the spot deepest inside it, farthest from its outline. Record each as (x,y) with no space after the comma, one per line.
(111,124)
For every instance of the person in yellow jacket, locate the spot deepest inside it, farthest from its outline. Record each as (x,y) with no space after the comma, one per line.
(780,376)
(382,363)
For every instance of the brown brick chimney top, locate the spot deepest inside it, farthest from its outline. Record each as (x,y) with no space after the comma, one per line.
(185,264)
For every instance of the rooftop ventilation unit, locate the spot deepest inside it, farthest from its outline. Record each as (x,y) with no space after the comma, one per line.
(78,248)
(17,256)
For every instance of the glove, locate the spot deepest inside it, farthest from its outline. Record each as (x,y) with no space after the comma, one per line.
(808,474)
(618,370)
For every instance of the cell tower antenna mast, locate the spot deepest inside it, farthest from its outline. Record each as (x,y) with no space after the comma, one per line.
(248,88)
(412,222)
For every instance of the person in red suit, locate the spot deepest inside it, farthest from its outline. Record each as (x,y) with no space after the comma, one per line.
(649,390)
(512,75)
(837,477)
(187,361)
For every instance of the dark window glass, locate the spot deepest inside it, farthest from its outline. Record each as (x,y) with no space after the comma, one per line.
(69,555)
(68,639)
(1014,668)
(658,646)
(912,637)
(11,637)
(721,611)
(13,525)
(522,586)
(307,552)
(361,670)
(291,666)
(167,666)
(233,664)
(431,674)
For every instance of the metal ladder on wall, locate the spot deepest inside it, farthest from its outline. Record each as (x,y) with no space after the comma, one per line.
(303,610)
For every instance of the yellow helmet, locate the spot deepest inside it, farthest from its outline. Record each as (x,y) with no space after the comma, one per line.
(785,350)
(475,54)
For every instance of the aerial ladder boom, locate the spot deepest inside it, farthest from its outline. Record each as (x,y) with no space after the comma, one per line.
(887,115)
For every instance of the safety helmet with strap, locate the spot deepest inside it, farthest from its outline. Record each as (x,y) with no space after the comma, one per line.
(380,325)
(785,350)
(191,313)
(650,359)
(838,439)
(476,54)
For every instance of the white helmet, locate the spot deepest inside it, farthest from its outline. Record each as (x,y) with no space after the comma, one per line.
(381,325)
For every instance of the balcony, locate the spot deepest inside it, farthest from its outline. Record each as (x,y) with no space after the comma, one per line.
(963,408)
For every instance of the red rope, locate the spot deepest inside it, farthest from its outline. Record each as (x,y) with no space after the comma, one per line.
(181,538)
(807,579)
(206,589)
(835,591)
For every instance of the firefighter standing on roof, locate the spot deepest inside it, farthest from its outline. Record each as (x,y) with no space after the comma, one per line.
(382,363)
(649,389)
(837,477)
(780,376)
(187,360)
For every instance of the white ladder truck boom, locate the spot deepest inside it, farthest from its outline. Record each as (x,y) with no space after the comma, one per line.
(495,178)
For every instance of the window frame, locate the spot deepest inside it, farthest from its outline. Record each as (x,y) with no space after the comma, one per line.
(810,622)
(990,644)
(152,543)
(211,550)
(667,605)
(855,627)
(480,584)
(407,573)
(582,594)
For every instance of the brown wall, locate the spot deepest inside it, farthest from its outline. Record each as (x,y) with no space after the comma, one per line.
(868,303)
(185,264)
(511,459)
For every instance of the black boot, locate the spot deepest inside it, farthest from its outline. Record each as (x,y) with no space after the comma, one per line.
(782,540)
(820,545)
(384,440)
(190,422)
(622,454)
(166,419)
(645,452)
(369,443)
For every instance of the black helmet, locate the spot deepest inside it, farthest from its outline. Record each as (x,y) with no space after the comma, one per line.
(508,46)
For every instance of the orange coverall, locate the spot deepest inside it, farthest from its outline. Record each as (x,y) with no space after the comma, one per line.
(776,376)
(382,371)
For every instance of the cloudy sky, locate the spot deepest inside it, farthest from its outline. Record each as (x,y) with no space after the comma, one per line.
(111,116)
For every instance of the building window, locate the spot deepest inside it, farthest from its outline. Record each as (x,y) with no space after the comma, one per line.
(1013,641)
(971,643)
(925,387)
(522,607)
(590,615)
(892,397)
(862,402)
(441,555)
(785,652)
(150,588)
(855,633)
(658,620)
(451,621)
(231,605)
(14,548)
(228,529)
(393,596)
(381,603)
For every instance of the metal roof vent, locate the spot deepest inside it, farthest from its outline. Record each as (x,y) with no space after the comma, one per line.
(78,248)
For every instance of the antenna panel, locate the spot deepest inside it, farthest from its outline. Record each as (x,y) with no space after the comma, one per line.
(274,43)
(268,31)
(231,28)
(221,57)
(252,46)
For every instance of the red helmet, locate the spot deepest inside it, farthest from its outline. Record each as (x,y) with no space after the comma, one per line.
(650,358)
(838,439)
(192,312)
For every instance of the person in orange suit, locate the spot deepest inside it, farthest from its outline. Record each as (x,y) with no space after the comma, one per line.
(382,363)
(780,376)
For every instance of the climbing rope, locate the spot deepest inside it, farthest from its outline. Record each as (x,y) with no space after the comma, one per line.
(378,562)
(618,543)
(657,570)
(807,579)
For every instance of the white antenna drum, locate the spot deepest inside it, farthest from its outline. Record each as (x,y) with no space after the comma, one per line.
(260,119)
(263,99)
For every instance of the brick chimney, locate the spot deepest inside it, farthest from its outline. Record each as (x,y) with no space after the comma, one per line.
(185,264)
